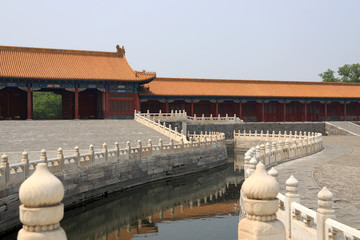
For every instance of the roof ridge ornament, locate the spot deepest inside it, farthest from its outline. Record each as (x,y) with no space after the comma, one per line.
(120,51)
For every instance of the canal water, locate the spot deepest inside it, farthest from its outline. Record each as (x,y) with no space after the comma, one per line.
(204,205)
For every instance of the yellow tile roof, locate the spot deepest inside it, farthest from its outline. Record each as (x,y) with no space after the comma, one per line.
(42,63)
(249,88)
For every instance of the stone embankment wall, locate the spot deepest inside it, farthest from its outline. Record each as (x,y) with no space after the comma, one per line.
(95,174)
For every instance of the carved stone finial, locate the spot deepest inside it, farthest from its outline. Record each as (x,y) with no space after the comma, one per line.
(325,199)
(260,191)
(260,185)
(41,210)
(43,156)
(273,172)
(292,187)
(4,158)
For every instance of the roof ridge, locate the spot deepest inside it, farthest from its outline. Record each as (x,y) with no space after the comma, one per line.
(119,53)
(253,81)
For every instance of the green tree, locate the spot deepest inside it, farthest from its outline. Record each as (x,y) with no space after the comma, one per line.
(328,76)
(46,105)
(346,73)
(350,72)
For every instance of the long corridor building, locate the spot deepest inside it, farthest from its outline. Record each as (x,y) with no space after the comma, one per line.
(103,85)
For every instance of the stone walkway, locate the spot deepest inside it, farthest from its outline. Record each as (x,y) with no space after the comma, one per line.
(32,136)
(338,168)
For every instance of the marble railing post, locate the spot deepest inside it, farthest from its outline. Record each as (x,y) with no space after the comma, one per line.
(77,156)
(172,144)
(260,202)
(290,197)
(139,147)
(117,150)
(262,153)
(60,156)
(257,153)
(105,151)
(252,167)
(287,148)
(5,164)
(274,173)
(25,160)
(43,156)
(150,146)
(324,211)
(41,210)
(92,154)
(273,146)
(295,147)
(161,145)
(267,153)
(247,159)
(128,148)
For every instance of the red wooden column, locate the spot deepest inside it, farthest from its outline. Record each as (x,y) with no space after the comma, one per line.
(29,103)
(136,102)
(192,108)
(325,117)
(107,104)
(263,111)
(305,109)
(166,106)
(284,111)
(240,110)
(344,111)
(76,103)
(217,108)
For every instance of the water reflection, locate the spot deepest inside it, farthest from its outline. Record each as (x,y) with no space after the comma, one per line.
(139,212)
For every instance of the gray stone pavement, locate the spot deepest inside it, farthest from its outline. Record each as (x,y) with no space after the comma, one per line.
(32,136)
(338,168)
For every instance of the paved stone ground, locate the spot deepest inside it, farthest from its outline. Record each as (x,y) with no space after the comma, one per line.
(338,168)
(32,136)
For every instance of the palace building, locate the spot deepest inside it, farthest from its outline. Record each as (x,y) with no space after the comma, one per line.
(91,84)
(95,85)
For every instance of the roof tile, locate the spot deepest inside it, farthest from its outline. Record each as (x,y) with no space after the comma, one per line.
(41,63)
(249,88)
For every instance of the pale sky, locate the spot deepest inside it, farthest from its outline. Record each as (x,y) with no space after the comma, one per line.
(260,40)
